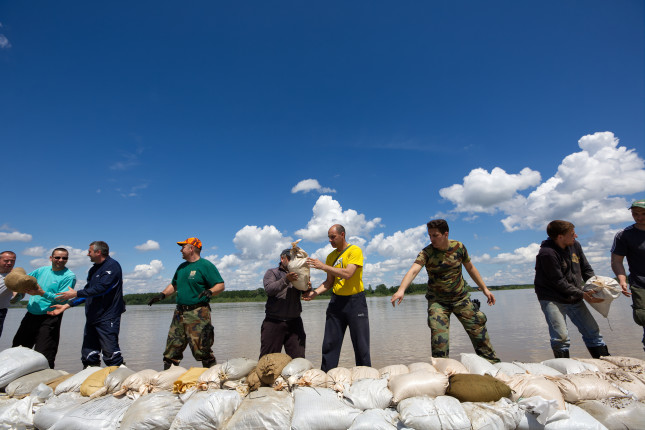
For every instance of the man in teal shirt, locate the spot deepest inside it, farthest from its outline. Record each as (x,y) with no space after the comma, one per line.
(37,329)
(195,282)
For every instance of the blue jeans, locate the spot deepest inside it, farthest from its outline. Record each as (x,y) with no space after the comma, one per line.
(556,317)
(102,338)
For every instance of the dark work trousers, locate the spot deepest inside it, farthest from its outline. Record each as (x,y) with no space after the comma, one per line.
(40,332)
(276,333)
(344,311)
(102,337)
(3,315)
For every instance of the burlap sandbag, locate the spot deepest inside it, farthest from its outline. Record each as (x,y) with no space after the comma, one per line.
(270,366)
(54,383)
(315,378)
(253,380)
(95,381)
(476,388)
(18,281)
(188,380)
(298,264)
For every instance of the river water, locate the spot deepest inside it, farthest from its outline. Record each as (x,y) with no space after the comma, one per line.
(516,326)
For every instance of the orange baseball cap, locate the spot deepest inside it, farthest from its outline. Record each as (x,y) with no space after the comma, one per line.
(191,241)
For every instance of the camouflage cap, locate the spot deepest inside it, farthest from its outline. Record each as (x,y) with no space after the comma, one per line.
(638,204)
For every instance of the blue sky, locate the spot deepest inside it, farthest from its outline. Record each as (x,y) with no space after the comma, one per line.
(252,124)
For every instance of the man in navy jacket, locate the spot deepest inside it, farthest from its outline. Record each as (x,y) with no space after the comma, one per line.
(104,304)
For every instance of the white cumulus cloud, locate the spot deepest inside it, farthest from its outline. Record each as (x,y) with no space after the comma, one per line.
(149,245)
(307,185)
(14,236)
(522,255)
(35,251)
(145,271)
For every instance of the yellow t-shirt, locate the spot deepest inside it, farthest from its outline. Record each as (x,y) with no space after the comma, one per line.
(353,285)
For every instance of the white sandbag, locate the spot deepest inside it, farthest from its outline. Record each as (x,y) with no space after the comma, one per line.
(443,412)
(604,288)
(615,414)
(362,372)
(602,365)
(314,378)
(298,264)
(103,413)
(421,365)
(628,382)
(569,366)
(22,386)
(56,407)
(42,393)
(340,378)
(210,378)
(113,381)
(500,415)
(586,386)
(163,381)
(236,368)
(509,368)
(420,383)
(207,410)
(573,418)
(376,419)
(534,385)
(263,409)
(368,394)
(448,366)
(19,361)
(538,369)
(16,414)
(476,364)
(73,383)
(395,369)
(321,409)
(296,367)
(135,383)
(624,361)
(155,411)
(541,409)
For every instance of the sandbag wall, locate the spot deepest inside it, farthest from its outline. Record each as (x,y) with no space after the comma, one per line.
(277,392)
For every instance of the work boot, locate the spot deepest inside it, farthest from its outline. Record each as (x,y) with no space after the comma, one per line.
(209,363)
(598,351)
(561,353)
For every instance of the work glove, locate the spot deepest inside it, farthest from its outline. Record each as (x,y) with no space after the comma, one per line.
(15,299)
(206,293)
(159,297)
(477,304)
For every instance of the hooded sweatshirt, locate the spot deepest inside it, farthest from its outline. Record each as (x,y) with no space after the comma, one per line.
(561,273)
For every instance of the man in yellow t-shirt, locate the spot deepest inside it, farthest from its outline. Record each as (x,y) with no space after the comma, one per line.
(347,306)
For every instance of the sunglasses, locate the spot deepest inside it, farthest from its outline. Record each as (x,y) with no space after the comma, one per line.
(60,258)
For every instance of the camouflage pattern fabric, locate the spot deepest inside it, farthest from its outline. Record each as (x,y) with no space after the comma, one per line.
(473,320)
(445,281)
(191,328)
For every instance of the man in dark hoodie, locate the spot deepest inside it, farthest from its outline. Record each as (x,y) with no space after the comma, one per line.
(561,269)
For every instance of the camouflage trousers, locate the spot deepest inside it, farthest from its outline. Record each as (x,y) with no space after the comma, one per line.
(473,320)
(192,328)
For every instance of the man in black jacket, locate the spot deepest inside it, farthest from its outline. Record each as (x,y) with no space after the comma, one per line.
(560,272)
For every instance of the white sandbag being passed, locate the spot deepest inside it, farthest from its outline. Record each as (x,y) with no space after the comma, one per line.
(152,412)
(19,361)
(298,264)
(321,409)
(604,288)
(207,410)
(263,409)
(442,412)
(103,413)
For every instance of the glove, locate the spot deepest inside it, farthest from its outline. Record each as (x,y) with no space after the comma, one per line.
(206,293)
(476,304)
(159,297)
(15,299)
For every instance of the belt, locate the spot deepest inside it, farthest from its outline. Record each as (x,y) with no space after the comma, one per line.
(185,308)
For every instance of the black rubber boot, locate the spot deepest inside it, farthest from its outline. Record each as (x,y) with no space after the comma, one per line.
(598,351)
(166,365)
(209,363)
(561,353)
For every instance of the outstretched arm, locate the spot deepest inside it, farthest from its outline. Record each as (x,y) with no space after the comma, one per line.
(397,297)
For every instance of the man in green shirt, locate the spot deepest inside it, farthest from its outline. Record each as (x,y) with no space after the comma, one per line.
(195,282)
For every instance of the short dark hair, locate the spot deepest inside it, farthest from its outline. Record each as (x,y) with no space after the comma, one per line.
(558,227)
(339,228)
(286,253)
(99,245)
(59,250)
(439,224)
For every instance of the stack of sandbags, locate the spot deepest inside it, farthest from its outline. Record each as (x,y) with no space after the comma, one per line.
(103,413)
(19,361)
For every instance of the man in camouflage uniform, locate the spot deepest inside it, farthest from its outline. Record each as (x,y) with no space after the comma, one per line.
(195,282)
(447,293)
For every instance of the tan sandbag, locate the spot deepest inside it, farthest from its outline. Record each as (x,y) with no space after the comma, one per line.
(627,381)
(96,380)
(394,369)
(421,365)
(585,386)
(528,385)
(270,366)
(22,387)
(163,381)
(314,378)
(602,365)
(624,361)
(18,281)
(54,383)
(419,383)
(132,385)
(340,377)
(477,388)
(210,378)
(448,366)
(188,380)
(363,372)
(253,380)
(298,264)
